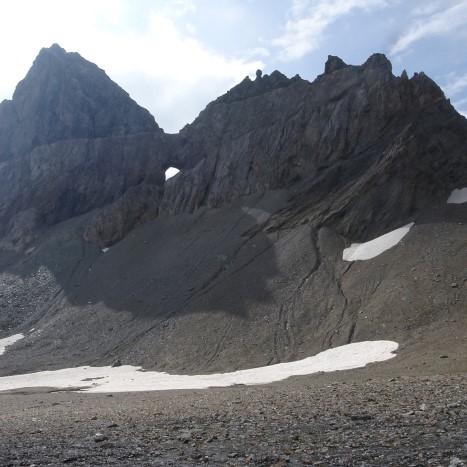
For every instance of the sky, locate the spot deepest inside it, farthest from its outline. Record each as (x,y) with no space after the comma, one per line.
(175,56)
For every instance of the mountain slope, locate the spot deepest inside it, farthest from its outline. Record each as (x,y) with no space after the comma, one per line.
(238,259)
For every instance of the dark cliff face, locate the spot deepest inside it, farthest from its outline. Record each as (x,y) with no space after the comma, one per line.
(238,258)
(68,144)
(62,97)
(359,149)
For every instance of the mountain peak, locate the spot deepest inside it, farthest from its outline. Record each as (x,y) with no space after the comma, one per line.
(54,57)
(64,96)
(333,63)
(53,49)
(378,60)
(276,178)
(261,85)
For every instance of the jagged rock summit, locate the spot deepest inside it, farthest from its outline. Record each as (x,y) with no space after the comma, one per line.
(238,260)
(62,97)
(67,141)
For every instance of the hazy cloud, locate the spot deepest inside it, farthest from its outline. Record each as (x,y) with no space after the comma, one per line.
(174,9)
(433,19)
(257,52)
(28,25)
(460,103)
(183,73)
(455,84)
(163,65)
(307,21)
(175,56)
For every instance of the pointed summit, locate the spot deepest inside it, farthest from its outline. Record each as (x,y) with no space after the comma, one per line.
(333,63)
(63,96)
(53,49)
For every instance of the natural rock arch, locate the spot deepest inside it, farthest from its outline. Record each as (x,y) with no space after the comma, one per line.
(171,172)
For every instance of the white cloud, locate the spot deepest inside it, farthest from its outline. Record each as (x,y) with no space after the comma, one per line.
(461,106)
(433,22)
(460,103)
(308,20)
(28,26)
(164,68)
(184,74)
(257,52)
(175,8)
(112,11)
(429,7)
(455,85)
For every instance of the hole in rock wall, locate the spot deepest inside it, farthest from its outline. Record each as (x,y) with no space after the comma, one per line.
(170,172)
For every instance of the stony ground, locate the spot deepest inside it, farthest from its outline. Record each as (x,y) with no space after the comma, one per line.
(348,418)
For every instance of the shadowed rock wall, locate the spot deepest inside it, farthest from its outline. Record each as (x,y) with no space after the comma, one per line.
(237,260)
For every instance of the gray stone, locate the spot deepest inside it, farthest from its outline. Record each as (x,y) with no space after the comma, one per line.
(100,437)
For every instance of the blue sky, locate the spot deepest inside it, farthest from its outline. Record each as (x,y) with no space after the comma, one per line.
(175,56)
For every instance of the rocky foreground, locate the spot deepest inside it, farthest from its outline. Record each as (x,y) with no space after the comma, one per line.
(348,418)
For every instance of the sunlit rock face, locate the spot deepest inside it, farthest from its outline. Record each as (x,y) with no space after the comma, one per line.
(237,261)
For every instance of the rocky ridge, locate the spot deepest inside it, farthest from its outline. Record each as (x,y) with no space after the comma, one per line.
(355,128)
(358,139)
(68,145)
(238,259)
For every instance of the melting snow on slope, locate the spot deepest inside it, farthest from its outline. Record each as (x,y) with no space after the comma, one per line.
(458,196)
(4,343)
(368,250)
(129,378)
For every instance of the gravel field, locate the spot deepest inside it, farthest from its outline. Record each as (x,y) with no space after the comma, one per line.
(350,418)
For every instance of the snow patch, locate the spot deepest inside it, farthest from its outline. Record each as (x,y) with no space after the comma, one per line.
(4,343)
(458,196)
(129,378)
(105,250)
(368,250)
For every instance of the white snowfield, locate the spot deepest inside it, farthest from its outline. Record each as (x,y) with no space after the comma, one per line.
(130,378)
(373,248)
(4,343)
(458,196)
